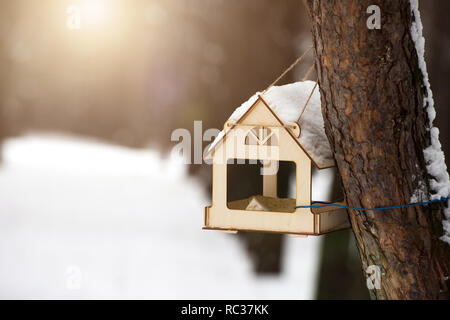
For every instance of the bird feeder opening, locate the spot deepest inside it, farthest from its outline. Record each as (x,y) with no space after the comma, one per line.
(260,180)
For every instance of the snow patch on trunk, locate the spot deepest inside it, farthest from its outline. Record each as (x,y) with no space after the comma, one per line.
(434,156)
(420,194)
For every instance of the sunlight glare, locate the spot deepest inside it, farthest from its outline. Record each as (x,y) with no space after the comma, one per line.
(96,12)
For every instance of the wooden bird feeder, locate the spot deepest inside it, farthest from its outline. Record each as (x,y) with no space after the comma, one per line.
(260,135)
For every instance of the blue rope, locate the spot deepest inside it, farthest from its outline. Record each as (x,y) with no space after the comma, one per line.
(442,199)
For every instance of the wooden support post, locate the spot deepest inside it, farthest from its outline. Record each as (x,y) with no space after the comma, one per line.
(270,178)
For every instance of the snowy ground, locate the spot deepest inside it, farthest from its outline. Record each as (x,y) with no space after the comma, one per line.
(81,219)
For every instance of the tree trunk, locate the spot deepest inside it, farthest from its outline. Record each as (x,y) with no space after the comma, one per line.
(372,102)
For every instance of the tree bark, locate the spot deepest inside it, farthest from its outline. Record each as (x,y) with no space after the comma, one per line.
(372,102)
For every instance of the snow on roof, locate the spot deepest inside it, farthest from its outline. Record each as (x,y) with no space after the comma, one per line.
(287,102)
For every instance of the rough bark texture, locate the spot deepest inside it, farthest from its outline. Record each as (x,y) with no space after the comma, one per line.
(372,100)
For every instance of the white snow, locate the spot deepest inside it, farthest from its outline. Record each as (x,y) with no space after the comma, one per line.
(239,112)
(81,219)
(235,116)
(287,102)
(420,194)
(440,183)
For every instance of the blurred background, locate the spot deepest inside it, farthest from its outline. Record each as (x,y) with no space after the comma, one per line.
(93,204)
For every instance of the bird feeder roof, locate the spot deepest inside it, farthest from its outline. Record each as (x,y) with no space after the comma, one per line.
(287,103)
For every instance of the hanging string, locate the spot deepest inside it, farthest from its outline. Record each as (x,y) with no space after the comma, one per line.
(442,199)
(307,101)
(308,72)
(288,69)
